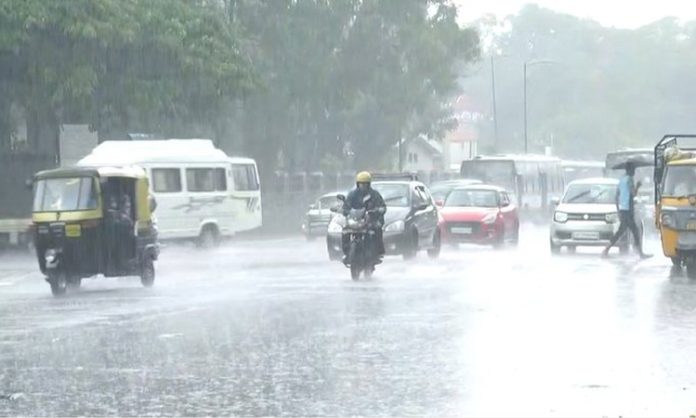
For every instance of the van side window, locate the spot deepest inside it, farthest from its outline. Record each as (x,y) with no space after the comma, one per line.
(245,178)
(220,180)
(200,179)
(166,180)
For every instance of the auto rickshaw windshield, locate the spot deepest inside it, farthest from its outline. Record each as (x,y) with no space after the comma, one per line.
(680,181)
(65,194)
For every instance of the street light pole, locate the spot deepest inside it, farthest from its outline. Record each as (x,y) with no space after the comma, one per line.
(529,64)
(495,108)
(526,143)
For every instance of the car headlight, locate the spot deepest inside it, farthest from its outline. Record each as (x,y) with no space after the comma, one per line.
(336,224)
(560,217)
(490,218)
(612,218)
(668,220)
(397,226)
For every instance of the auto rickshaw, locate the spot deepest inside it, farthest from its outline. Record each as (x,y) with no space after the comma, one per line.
(675,199)
(92,221)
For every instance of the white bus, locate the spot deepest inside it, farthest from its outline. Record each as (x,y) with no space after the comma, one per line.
(533,179)
(200,191)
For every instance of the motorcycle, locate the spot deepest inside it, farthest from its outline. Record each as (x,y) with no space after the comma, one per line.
(362,252)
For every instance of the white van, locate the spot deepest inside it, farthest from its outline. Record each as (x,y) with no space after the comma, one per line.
(200,191)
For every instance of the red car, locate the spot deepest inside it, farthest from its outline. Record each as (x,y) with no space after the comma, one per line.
(479,214)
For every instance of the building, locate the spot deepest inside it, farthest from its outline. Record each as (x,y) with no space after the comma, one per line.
(419,154)
(461,143)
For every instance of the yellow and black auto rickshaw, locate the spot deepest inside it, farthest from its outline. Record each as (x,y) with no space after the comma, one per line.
(675,199)
(91,221)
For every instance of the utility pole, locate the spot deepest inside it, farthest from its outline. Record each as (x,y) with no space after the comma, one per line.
(495,108)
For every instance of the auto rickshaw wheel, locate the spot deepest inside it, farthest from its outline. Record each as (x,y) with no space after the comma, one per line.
(691,269)
(59,283)
(676,261)
(147,272)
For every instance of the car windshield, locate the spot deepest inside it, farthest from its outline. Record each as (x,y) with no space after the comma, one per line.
(591,193)
(395,195)
(680,181)
(439,191)
(328,202)
(65,194)
(472,198)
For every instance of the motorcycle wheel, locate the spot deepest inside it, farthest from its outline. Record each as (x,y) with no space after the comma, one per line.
(355,272)
(59,284)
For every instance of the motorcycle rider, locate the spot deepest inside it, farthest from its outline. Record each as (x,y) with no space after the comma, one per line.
(375,205)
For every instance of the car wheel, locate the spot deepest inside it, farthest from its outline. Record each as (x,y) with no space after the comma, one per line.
(411,250)
(624,248)
(516,235)
(555,249)
(437,246)
(500,240)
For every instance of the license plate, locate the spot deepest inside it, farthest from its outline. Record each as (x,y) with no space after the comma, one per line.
(460,230)
(73,231)
(691,225)
(586,235)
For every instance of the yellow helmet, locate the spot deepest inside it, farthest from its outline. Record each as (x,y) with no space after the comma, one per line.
(363,177)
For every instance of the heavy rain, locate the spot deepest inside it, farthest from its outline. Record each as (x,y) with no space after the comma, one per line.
(347,208)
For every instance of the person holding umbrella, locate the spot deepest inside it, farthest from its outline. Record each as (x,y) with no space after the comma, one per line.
(624,203)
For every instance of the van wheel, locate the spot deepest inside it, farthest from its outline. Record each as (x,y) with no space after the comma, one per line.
(59,284)
(147,272)
(209,238)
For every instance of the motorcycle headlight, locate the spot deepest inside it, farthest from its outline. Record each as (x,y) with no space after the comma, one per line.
(490,218)
(560,217)
(612,218)
(397,226)
(668,220)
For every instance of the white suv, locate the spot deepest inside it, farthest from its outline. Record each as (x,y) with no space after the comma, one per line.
(587,216)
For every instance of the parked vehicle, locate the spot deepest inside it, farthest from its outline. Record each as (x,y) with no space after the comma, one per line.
(91,221)
(319,215)
(202,193)
(675,199)
(587,216)
(411,221)
(480,214)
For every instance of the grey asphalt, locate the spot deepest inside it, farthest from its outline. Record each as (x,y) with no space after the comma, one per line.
(271,327)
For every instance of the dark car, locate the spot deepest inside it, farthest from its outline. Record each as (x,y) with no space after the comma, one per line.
(319,215)
(411,221)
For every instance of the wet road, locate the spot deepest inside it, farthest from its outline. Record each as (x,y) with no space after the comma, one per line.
(273,328)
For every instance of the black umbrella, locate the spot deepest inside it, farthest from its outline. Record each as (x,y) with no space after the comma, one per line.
(634,162)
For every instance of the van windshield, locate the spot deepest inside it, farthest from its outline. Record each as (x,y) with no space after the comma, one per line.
(65,194)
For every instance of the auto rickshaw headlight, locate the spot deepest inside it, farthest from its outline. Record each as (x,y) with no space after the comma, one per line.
(668,220)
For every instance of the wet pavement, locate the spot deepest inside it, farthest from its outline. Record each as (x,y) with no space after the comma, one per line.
(273,328)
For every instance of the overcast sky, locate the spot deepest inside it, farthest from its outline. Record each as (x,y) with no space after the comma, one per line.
(621,14)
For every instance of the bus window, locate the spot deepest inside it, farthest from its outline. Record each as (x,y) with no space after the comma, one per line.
(245,178)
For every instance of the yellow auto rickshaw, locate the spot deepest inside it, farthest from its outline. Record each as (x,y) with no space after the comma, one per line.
(675,199)
(91,221)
